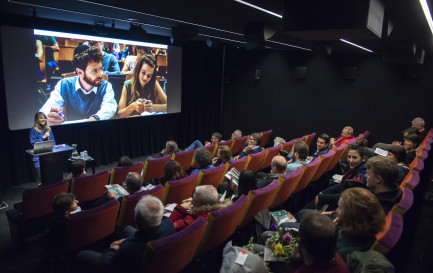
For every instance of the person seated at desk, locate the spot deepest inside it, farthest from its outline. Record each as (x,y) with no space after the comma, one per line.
(85,96)
(131,60)
(142,92)
(110,66)
(38,133)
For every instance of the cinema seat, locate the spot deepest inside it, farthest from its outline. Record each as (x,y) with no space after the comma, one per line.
(237,164)
(238,144)
(90,187)
(119,174)
(287,146)
(389,237)
(326,159)
(338,152)
(154,168)
(309,139)
(227,142)
(405,203)
(184,158)
(310,170)
(212,176)
(289,182)
(266,136)
(178,190)
(255,161)
(270,153)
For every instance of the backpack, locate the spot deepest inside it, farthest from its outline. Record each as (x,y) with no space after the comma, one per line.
(368,261)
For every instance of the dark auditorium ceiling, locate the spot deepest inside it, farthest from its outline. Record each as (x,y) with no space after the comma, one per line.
(226,19)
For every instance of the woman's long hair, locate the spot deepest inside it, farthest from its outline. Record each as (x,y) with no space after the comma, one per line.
(173,171)
(37,127)
(136,85)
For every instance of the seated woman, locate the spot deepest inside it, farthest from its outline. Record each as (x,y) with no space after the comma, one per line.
(398,155)
(172,171)
(170,148)
(223,155)
(204,160)
(142,92)
(411,142)
(360,218)
(40,132)
(78,168)
(131,60)
(247,182)
(354,177)
(252,146)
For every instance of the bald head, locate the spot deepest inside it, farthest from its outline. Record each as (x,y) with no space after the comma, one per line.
(278,165)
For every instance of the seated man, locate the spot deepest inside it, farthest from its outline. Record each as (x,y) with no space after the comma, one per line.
(223,156)
(406,132)
(315,250)
(299,156)
(125,255)
(236,134)
(323,146)
(346,136)
(78,168)
(419,124)
(215,138)
(170,148)
(85,96)
(252,146)
(204,160)
(381,175)
(278,168)
(203,201)
(110,66)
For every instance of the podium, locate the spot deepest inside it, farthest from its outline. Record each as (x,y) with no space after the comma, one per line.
(52,164)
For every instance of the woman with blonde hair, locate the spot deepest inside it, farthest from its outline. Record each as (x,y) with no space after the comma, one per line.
(40,132)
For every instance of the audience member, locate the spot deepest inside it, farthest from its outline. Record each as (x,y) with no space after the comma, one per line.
(203,201)
(278,141)
(315,250)
(323,146)
(381,175)
(398,155)
(360,218)
(411,142)
(223,155)
(236,134)
(125,161)
(299,156)
(346,136)
(215,138)
(172,171)
(419,124)
(85,96)
(385,146)
(170,148)
(109,63)
(278,168)
(246,183)
(204,160)
(252,146)
(78,168)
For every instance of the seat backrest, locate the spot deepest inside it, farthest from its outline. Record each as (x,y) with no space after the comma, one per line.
(128,203)
(411,180)
(227,142)
(184,158)
(89,226)
(301,138)
(359,137)
(90,187)
(255,161)
(288,185)
(405,203)
(346,150)
(270,153)
(238,144)
(260,199)
(309,138)
(237,164)
(154,168)
(118,174)
(38,202)
(212,176)
(178,190)
(310,170)
(287,146)
(366,134)
(326,159)
(389,237)
(266,136)
(172,253)
(338,152)
(417,164)
(222,224)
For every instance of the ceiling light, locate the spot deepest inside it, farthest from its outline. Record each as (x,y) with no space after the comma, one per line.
(259,8)
(427,14)
(289,45)
(350,43)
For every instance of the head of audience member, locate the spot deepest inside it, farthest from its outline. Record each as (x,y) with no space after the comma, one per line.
(237,133)
(347,131)
(411,142)
(419,124)
(141,50)
(203,157)
(133,182)
(41,122)
(360,213)
(247,182)
(317,238)
(171,147)
(87,65)
(144,75)
(78,168)
(80,48)
(381,174)
(216,137)
(97,45)
(64,203)
(255,139)
(148,212)
(322,141)
(410,131)
(224,153)
(357,155)
(204,195)
(278,165)
(125,161)
(173,171)
(300,151)
(397,154)
(278,141)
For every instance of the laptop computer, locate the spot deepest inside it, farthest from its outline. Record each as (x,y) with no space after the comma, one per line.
(43,147)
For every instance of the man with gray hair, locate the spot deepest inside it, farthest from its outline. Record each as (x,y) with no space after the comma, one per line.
(203,201)
(236,134)
(419,124)
(346,136)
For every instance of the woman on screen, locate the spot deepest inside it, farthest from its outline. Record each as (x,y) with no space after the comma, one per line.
(143,92)
(40,132)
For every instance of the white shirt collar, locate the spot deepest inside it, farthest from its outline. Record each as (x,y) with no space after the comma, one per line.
(78,86)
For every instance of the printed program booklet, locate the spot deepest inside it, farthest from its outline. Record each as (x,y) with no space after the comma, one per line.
(282,216)
(233,173)
(118,190)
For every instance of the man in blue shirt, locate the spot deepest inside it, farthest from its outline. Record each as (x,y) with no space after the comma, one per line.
(84,97)
(110,66)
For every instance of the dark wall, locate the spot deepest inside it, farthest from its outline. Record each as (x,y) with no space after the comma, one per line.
(382,98)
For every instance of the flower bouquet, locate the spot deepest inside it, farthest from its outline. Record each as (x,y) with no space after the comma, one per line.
(279,246)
